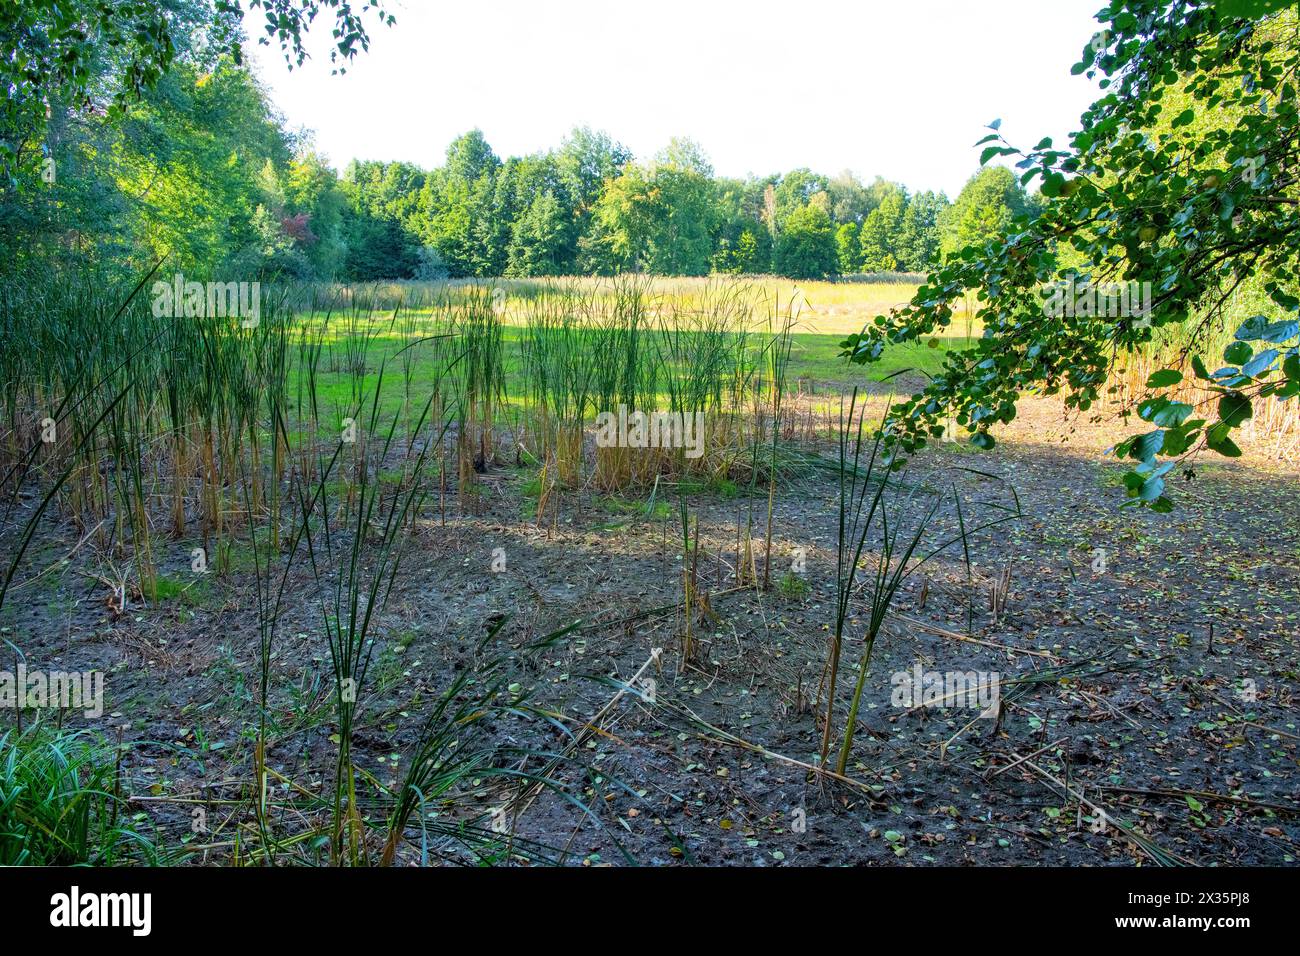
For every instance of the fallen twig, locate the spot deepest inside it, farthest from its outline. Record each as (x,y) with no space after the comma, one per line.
(954,636)
(1207,795)
(1017,762)
(1156,854)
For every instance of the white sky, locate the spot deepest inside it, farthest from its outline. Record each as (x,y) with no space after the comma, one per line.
(882,87)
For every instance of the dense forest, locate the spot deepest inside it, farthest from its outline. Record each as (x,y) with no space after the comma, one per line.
(202,170)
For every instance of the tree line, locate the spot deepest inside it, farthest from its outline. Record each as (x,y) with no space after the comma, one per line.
(589,208)
(199,168)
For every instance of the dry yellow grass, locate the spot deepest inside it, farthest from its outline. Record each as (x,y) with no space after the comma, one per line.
(828,308)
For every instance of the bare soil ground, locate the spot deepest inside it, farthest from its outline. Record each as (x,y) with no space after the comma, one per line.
(1157,683)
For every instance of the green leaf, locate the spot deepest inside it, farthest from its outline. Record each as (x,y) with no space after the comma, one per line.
(1238,353)
(1053,185)
(1217,439)
(1291,367)
(1147,410)
(1152,489)
(1260,363)
(1259,329)
(1180,438)
(1164,378)
(1172,415)
(1250,10)
(1234,408)
(1146,447)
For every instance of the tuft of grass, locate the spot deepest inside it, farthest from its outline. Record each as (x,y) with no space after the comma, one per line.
(792,586)
(650,509)
(60,803)
(163,588)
